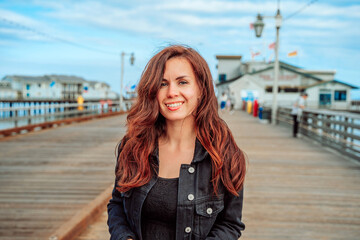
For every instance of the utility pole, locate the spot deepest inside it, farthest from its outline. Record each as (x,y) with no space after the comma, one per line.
(132,59)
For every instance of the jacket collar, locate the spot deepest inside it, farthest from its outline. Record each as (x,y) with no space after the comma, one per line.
(200,152)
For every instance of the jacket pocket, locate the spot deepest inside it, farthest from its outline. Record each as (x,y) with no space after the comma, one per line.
(205,217)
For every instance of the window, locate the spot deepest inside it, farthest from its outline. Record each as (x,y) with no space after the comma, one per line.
(222,77)
(340,96)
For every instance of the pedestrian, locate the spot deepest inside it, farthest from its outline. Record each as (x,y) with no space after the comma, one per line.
(223,100)
(228,104)
(297,110)
(179,171)
(232,102)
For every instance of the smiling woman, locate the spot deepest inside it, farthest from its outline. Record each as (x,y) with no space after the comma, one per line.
(179,92)
(179,172)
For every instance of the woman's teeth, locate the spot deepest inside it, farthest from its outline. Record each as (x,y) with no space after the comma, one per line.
(174,104)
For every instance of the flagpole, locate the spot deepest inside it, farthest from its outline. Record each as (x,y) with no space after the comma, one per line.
(276,70)
(121,81)
(132,59)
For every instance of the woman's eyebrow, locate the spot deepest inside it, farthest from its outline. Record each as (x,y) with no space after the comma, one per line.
(177,78)
(180,77)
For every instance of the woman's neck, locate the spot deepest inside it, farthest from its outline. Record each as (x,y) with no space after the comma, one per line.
(179,134)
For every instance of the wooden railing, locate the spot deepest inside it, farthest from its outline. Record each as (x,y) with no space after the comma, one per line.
(338,130)
(15,119)
(21,116)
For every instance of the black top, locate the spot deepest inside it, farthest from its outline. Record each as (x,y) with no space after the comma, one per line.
(159,210)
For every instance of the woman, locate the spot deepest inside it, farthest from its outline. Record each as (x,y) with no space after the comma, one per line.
(179,172)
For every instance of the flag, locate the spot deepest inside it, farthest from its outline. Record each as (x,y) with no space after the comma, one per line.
(133,87)
(52,84)
(255,54)
(292,54)
(251,25)
(272,45)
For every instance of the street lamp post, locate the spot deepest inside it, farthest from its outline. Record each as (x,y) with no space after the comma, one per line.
(258,26)
(132,59)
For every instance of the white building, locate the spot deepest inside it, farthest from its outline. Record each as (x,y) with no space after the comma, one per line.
(6,92)
(57,87)
(254,80)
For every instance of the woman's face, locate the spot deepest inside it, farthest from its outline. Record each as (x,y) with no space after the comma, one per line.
(179,92)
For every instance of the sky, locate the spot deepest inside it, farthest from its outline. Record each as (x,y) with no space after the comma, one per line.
(85,38)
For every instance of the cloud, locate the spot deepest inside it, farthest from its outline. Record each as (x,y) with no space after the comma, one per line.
(23,27)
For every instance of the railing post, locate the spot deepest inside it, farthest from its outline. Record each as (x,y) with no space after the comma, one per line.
(16,121)
(29,115)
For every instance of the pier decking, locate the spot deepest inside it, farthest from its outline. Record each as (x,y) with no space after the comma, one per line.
(295,189)
(47,176)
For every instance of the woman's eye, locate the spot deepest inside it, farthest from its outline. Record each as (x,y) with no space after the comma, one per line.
(183,82)
(163,84)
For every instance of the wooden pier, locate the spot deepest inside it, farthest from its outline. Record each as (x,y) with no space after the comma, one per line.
(295,188)
(49,176)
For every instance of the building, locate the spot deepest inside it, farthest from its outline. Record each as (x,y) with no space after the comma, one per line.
(55,87)
(254,80)
(6,92)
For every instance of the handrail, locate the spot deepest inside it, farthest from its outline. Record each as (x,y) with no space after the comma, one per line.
(338,130)
(27,115)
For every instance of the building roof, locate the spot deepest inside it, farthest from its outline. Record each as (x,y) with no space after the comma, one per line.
(34,79)
(318,71)
(282,65)
(46,78)
(66,79)
(285,66)
(331,81)
(228,57)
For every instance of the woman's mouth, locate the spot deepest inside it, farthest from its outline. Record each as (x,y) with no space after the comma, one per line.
(174,106)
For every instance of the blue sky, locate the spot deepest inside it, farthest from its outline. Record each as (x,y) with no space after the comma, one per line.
(85,38)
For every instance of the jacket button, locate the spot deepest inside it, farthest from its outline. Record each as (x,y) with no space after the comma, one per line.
(191,197)
(188,229)
(191,170)
(209,211)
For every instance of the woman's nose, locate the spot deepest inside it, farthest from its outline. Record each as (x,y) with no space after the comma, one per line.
(173,91)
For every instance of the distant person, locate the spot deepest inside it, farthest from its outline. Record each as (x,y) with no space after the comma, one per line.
(228,104)
(223,100)
(232,102)
(297,110)
(179,172)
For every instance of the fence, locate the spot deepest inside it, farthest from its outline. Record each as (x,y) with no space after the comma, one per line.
(338,130)
(27,115)
(33,116)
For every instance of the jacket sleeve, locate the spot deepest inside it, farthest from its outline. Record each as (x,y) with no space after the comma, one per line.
(228,225)
(118,225)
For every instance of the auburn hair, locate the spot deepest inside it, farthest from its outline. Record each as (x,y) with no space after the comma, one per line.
(146,124)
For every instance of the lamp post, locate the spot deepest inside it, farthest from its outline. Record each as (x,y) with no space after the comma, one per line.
(258,27)
(132,59)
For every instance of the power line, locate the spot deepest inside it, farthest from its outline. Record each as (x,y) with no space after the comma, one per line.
(33,30)
(300,10)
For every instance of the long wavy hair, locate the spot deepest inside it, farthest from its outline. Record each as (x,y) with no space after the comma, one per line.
(146,124)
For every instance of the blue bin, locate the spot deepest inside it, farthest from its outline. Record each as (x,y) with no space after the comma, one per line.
(260,112)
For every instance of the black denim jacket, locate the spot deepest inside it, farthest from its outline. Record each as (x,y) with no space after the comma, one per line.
(200,213)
